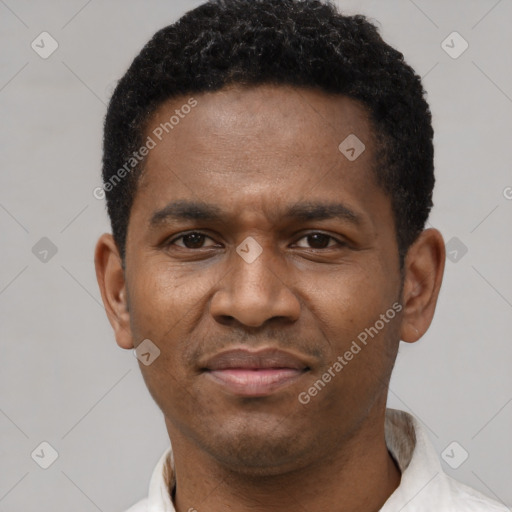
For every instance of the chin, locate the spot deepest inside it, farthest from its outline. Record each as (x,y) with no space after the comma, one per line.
(265,451)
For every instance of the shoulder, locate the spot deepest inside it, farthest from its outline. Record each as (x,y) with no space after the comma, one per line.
(141,506)
(467,499)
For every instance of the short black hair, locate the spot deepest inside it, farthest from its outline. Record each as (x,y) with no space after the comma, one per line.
(302,43)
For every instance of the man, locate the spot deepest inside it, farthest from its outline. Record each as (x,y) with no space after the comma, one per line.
(268,169)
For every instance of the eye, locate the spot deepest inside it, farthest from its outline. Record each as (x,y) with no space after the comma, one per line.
(192,240)
(319,241)
(196,240)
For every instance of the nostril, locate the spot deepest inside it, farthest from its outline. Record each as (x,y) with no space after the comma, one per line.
(225,320)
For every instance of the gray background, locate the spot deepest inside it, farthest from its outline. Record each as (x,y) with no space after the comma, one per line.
(64,380)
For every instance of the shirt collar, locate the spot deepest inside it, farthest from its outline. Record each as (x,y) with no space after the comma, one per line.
(410,446)
(161,483)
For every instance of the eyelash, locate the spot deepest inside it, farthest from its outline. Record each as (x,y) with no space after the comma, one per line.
(338,242)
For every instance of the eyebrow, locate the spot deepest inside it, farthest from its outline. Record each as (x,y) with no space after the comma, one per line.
(304,211)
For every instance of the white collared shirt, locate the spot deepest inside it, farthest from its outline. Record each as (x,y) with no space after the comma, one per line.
(424,486)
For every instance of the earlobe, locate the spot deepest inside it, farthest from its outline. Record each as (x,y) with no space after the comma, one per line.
(111,280)
(424,268)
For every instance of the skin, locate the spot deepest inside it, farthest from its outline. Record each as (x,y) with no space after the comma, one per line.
(252,152)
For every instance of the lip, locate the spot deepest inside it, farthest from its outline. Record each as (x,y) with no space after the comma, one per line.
(255,373)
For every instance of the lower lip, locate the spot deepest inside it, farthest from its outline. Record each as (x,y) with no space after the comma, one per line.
(263,382)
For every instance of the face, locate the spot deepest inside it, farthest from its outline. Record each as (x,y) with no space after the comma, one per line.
(257,254)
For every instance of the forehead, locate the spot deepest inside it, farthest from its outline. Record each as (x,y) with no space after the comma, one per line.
(261,118)
(255,146)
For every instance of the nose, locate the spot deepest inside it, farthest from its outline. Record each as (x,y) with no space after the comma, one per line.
(253,293)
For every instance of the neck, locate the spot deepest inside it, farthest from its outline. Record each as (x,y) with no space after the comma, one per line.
(359,476)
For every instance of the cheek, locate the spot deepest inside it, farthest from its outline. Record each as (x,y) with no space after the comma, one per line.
(163,297)
(164,308)
(350,299)
(168,308)
(348,309)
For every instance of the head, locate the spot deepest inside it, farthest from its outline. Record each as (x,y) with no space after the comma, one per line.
(268,169)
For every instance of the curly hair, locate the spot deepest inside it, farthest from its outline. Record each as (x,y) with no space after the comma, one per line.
(302,43)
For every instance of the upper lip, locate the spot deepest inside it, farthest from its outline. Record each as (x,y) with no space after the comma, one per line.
(249,359)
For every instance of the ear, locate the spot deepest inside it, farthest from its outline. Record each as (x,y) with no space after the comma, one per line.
(423,268)
(111,280)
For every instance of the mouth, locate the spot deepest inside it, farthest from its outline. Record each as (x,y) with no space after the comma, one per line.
(255,373)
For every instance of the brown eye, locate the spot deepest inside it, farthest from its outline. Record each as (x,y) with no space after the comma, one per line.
(193,240)
(318,241)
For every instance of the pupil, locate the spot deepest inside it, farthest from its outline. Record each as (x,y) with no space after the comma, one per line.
(193,239)
(318,239)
